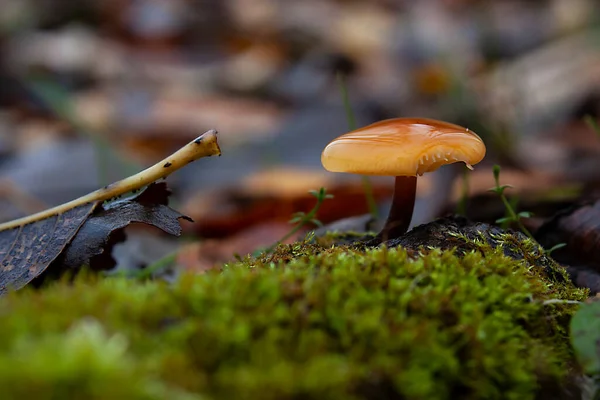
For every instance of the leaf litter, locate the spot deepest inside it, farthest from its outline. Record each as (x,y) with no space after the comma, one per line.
(84,230)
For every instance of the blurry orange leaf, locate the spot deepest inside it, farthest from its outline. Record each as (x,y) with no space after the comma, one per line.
(274,196)
(168,119)
(205,255)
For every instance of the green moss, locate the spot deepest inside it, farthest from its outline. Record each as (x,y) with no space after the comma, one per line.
(306,322)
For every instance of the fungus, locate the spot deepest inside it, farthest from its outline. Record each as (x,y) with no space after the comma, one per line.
(404,148)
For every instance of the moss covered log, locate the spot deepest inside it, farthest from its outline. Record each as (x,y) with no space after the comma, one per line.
(308,322)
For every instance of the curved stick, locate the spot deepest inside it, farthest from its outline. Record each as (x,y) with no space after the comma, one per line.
(204,146)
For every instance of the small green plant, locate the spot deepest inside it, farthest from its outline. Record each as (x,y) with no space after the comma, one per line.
(301,219)
(366,182)
(585,335)
(593,124)
(513,217)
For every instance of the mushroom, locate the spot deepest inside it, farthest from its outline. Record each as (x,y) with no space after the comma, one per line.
(404,148)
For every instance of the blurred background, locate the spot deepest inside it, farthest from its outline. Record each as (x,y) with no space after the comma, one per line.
(92,91)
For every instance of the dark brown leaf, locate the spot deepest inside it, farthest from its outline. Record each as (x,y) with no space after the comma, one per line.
(26,251)
(29,246)
(579,228)
(104,228)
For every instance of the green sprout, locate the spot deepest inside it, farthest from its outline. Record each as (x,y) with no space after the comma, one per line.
(513,216)
(301,219)
(593,124)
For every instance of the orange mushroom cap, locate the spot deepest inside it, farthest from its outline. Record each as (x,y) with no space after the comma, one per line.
(402,147)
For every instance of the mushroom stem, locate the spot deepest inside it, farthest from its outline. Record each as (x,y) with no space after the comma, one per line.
(398,220)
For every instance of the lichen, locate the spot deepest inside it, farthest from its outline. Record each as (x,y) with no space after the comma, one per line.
(307,321)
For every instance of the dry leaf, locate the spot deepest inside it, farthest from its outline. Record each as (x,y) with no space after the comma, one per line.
(579,228)
(27,250)
(30,244)
(103,229)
